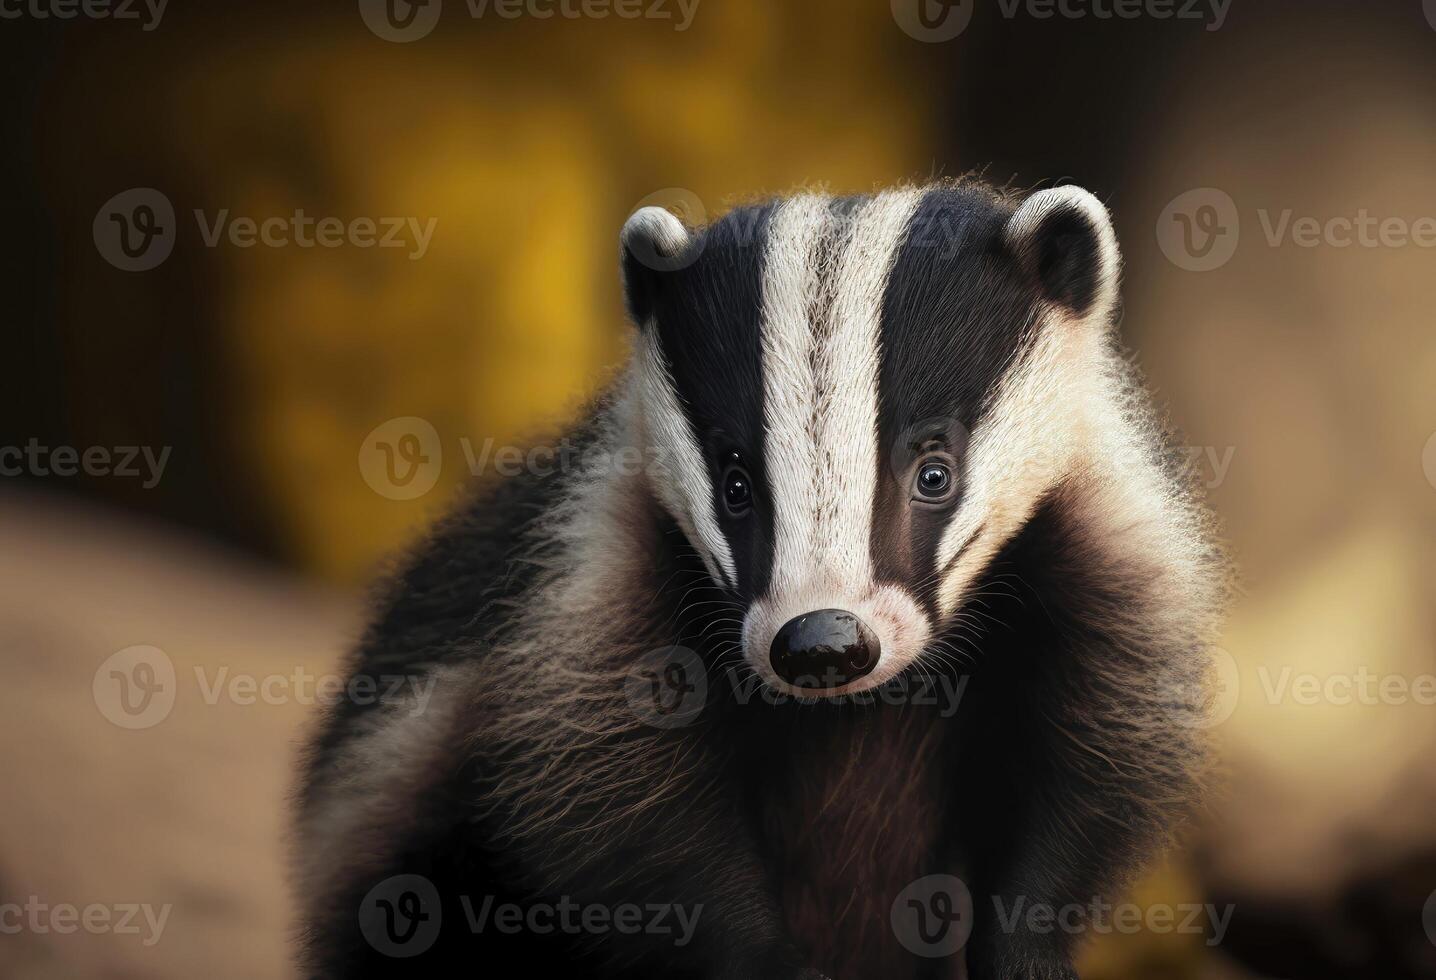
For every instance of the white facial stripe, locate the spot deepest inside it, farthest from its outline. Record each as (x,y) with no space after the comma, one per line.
(825,280)
(791,281)
(847,389)
(1029,441)
(684,485)
(820,383)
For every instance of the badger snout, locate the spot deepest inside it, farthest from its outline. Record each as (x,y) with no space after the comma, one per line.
(824,649)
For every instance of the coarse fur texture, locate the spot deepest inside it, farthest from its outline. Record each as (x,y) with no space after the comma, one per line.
(1059,598)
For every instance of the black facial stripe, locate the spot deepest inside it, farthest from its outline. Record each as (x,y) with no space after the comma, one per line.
(708,317)
(956,316)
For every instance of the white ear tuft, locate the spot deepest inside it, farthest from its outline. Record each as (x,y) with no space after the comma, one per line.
(655,237)
(1064,237)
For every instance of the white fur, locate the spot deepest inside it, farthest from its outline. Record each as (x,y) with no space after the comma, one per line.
(1028,441)
(656,226)
(821,385)
(791,283)
(1072,412)
(683,485)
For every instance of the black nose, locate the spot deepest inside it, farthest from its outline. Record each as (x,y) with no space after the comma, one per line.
(823,649)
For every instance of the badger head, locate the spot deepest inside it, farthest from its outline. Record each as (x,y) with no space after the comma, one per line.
(858,401)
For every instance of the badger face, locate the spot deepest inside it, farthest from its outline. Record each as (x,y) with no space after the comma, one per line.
(858,401)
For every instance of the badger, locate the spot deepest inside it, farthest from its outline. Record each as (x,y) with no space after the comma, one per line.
(864,447)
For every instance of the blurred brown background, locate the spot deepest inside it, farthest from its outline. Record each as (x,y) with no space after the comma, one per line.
(1299,368)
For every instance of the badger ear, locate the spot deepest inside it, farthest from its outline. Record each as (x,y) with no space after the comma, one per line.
(1063,238)
(654,242)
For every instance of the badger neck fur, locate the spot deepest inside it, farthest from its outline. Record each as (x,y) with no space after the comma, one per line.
(880,487)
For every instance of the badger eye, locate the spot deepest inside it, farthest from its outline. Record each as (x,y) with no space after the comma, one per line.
(737,490)
(934,480)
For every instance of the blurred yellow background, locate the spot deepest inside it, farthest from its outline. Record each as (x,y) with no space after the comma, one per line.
(1301,376)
